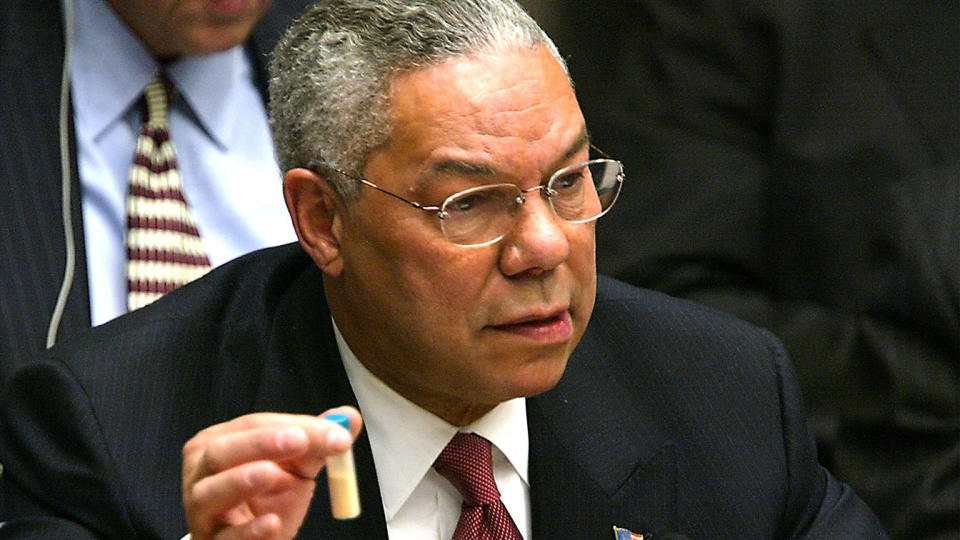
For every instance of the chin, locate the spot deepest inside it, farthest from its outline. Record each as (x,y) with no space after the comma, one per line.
(539,377)
(217,39)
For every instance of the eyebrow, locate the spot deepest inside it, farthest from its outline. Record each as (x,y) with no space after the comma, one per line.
(581,142)
(467,168)
(477,169)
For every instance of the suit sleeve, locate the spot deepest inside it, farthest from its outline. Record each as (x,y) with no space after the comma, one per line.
(818,505)
(59,477)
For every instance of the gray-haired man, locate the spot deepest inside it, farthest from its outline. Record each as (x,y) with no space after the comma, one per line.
(440,179)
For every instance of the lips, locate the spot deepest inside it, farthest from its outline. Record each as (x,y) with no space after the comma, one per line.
(550,328)
(229,7)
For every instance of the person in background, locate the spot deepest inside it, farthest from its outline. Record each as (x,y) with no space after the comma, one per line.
(796,164)
(214,54)
(442,183)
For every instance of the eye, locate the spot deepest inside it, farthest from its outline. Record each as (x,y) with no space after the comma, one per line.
(569,181)
(463,204)
(476,201)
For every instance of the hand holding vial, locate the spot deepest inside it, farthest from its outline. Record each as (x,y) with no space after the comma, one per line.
(254,476)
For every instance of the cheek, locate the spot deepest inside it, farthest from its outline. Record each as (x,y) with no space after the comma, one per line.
(583,263)
(419,269)
(582,240)
(455,286)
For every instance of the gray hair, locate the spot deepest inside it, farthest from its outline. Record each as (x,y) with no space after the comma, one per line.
(330,74)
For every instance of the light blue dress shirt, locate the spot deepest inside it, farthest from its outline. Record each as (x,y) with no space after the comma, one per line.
(219,129)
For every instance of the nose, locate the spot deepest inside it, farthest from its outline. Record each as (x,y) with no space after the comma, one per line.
(538,241)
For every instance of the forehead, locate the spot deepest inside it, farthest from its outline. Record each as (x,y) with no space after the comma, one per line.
(514,103)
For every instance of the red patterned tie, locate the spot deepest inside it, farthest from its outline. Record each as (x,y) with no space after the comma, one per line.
(468,464)
(164,249)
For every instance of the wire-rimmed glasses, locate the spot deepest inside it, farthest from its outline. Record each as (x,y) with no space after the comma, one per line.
(482,215)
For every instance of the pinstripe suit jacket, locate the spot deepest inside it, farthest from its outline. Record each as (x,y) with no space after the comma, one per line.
(32,246)
(670,417)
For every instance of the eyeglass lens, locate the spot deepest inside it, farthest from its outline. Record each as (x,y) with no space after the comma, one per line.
(579,193)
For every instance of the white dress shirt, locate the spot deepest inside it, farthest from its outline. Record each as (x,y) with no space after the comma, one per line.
(219,129)
(418,503)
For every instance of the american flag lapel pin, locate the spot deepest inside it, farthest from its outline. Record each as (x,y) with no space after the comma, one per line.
(620,533)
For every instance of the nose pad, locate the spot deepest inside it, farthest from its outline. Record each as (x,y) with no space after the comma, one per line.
(545,194)
(524,211)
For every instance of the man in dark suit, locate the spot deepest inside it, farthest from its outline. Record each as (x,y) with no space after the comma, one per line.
(798,165)
(470,317)
(33,249)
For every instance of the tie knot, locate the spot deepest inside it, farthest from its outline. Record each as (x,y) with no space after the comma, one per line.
(157,95)
(467,463)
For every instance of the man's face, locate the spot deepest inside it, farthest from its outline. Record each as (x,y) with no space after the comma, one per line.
(459,329)
(173,28)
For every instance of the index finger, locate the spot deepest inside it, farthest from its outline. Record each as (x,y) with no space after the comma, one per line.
(269,436)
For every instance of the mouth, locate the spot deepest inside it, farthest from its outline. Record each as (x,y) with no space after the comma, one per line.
(229,7)
(554,327)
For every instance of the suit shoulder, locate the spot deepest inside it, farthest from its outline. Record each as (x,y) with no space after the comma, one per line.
(233,304)
(644,326)
(619,300)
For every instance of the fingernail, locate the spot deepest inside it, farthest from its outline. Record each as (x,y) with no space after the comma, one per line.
(291,438)
(338,439)
(259,529)
(252,476)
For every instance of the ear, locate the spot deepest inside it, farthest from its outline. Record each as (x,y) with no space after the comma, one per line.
(316,210)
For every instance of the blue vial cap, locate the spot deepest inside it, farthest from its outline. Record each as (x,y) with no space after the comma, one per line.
(341,419)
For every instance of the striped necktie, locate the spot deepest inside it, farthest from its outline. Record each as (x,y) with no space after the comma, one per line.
(164,248)
(467,462)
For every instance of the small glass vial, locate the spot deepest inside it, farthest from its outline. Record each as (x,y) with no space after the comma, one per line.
(342,478)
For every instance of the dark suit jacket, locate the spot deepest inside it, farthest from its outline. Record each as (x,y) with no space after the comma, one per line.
(797,163)
(669,417)
(32,246)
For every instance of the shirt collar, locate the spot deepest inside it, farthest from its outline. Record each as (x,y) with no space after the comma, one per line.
(208,84)
(111,67)
(403,456)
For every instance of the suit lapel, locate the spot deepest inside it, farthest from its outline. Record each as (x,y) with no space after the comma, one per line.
(303,374)
(597,457)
